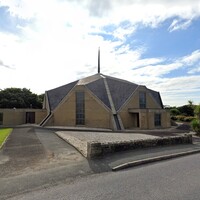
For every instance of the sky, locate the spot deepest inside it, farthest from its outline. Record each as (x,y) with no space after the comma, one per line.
(48,43)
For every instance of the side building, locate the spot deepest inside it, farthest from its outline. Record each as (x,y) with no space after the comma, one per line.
(19,116)
(102,101)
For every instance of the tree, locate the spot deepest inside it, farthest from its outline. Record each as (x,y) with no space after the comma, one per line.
(196,122)
(196,126)
(186,110)
(197,111)
(190,103)
(174,112)
(19,98)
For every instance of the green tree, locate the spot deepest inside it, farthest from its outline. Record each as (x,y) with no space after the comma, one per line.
(19,98)
(174,112)
(186,110)
(196,126)
(197,111)
(190,103)
(196,122)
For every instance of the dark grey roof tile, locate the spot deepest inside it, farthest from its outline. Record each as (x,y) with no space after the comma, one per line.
(56,95)
(156,96)
(98,89)
(120,90)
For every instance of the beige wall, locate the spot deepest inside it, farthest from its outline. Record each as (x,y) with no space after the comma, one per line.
(12,117)
(165,118)
(40,114)
(96,114)
(146,116)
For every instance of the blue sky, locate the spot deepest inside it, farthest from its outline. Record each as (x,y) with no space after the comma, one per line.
(45,44)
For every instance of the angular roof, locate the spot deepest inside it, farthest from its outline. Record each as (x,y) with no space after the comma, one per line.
(120,91)
(99,90)
(157,97)
(56,95)
(99,84)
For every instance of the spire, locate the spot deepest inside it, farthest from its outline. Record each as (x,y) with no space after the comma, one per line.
(99,60)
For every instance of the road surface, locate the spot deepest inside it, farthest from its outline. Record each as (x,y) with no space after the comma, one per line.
(168,180)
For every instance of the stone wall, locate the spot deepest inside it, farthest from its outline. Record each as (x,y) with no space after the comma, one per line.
(96,149)
(96,144)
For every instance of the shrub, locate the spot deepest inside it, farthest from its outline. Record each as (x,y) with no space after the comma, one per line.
(186,110)
(197,111)
(180,117)
(174,118)
(174,112)
(196,126)
(189,119)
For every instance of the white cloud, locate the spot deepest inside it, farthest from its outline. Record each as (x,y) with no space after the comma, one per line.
(191,59)
(177,91)
(179,24)
(4,65)
(122,33)
(194,70)
(56,45)
(157,70)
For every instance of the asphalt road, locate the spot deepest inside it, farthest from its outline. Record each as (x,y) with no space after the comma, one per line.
(168,180)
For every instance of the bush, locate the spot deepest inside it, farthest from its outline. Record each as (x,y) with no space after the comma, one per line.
(174,118)
(186,110)
(196,126)
(180,118)
(189,119)
(174,112)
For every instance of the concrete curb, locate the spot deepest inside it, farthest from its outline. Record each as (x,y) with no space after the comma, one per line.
(153,159)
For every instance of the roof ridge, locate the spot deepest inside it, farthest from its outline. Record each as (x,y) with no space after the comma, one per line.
(61,86)
(119,79)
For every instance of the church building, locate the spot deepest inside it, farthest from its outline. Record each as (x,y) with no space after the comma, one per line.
(102,101)
(97,101)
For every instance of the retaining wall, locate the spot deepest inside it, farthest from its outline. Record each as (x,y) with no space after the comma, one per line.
(96,149)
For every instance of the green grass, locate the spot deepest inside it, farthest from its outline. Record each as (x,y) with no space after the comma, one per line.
(4,133)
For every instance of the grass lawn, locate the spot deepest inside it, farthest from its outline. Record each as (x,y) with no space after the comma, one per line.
(4,133)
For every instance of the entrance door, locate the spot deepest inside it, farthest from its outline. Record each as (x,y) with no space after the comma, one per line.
(1,118)
(30,117)
(136,120)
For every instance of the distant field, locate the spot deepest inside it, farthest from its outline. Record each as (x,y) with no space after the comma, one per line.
(4,133)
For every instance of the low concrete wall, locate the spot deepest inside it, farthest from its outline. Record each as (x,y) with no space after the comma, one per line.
(14,117)
(96,149)
(96,144)
(80,145)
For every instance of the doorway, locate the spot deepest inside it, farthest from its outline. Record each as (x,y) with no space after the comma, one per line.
(30,117)
(135,120)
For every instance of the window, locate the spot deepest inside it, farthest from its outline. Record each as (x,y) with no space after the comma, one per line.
(157,119)
(80,108)
(142,99)
(1,118)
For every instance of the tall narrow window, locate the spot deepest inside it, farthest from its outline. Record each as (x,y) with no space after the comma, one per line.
(142,99)
(80,108)
(157,119)
(1,118)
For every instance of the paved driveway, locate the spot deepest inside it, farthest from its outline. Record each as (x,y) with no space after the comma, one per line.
(31,149)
